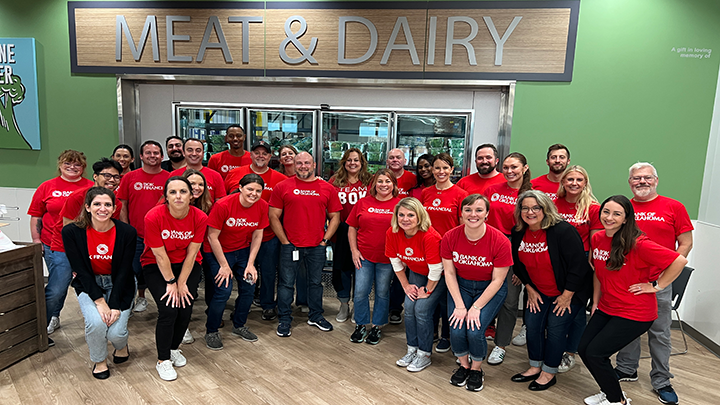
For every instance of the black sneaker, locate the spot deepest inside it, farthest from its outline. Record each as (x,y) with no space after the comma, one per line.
(459,378)
(395,317)
(269,314)
(359,335)
(321,324)
(373,337)
(51,342)
(283,329)
(626,377)
(475,380)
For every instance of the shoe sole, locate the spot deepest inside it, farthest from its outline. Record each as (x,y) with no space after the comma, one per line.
(270,318)
(519,344)
(415,370)
(496,364)
(467,387)
(462,384)
(213,348)
(395,322)
(283,335)
(311,323)
(370,342)
(442,350)
(628,379)
(358,341)
(244,338)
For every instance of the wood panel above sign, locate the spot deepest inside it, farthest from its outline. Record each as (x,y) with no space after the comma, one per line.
(415,40)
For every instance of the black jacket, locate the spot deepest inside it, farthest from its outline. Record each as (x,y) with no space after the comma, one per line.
(122,274)
(567,255)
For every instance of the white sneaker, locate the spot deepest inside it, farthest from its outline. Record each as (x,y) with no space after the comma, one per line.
(601,399)
(140,304)
(54,324)
(521,338)
(408,357)
(188,338)
(567,362)
(496,356)
(166,371)
(420,362)
(178,360)
(606,402)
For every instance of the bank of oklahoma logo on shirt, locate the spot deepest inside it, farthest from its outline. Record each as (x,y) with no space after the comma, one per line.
(408,251)
(648,216)
(379,211)
(470,260)
(102,249)
(306,192)
(58,193)
(599,254)
(227,168)
(146,186)
(436,202)
(239,222)
(182,235)
(505,199)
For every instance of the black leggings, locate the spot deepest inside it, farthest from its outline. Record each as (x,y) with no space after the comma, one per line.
(604,336)
(172,322)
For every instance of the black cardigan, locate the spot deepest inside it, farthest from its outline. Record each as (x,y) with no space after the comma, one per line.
(567,255)
(122,274)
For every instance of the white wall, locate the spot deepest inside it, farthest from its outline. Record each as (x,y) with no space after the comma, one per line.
(17,201)
(699,307)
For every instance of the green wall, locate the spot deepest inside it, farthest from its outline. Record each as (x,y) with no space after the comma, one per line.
(631,98)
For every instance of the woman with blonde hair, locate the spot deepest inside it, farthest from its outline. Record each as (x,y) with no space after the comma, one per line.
(287,153)
(579,207)
(411,241)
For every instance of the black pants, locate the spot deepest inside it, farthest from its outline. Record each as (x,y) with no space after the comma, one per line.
(604,336)
(172,322)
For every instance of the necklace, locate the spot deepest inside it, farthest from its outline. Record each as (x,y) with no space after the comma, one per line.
(474,242)
(535,234)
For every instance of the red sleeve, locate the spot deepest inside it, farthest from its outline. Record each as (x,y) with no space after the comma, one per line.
(218,215)
(264,220)
(218,186)
(431,245)
(200,226)
(352,219)
(446,245)
(682,220)
(122,191)
(214,162)
(502,251)
(276,200)
(71,208)
(594,217)
(390,248)
(658,257)
(37,205)
(153,239)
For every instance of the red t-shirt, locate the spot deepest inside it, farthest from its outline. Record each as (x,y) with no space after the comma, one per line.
(416,252)
(224,162)
(101,246)
(544,184)
(305,206)
(416,192)
(71,209)
(164,230)
(474,184)
(142,192)
(215,183)
(443,207)
(372,219)
(568,210)
(476,260)
(349,196)
(643,264)
(662,219)
(48,200)
(502,206)
(237,223)
(405,182)
(533,253)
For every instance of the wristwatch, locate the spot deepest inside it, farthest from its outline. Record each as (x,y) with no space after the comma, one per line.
(171,281)
(655,286)
(425,290)
(325,241)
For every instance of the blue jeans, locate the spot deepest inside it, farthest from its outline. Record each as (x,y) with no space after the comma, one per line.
(380,274)
(97,333)
(137,267)
(547,334)
(237,261)
(419,313)
(59,278)
(267,259)
(463,340)
(314,260)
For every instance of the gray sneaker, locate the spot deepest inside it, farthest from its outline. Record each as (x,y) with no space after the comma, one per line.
(245,334)
(420,362)
(213,341)
(408,357)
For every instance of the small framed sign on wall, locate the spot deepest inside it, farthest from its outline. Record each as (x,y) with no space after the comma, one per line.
(19,112)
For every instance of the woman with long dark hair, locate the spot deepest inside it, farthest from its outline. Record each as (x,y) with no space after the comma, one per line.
(503,198)
(629,270)
(351,182)
(424,174)
(101,250)
(550,261)
(174,232)
(124,155)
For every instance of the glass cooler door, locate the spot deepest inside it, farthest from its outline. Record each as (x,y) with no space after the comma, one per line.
(282,127)
(344,130)
(208,124)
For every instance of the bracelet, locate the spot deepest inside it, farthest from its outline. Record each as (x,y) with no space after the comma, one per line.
(475,307)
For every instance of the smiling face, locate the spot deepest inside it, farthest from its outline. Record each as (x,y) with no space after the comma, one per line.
(101,209)
(123,157)
(395,160)
(485,160)
(108,178)
(287,157)
(151,155)
(304,166)
(424,169)
(612,217)
(474,215)
(442,171)
(407,220)
(174,149)
(250,193)
(178,195)
(643,184)
(235,137)
(71,170)
(574,183)
(558,161)
(193,152)
(198,186)
(260,157)
(353,164)
(383,187)
(513,170)
(532,214)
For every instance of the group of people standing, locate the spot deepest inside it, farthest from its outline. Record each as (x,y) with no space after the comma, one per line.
(452,254)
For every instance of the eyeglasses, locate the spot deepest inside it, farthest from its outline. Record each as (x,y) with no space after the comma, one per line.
(536,208)
(109,176)
(636,179)
(72,164)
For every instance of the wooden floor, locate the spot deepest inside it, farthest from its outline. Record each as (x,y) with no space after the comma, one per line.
(310,367)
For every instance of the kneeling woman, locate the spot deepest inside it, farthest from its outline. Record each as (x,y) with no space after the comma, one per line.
(235,232)
(550,261)
(629,270)
(412,242)
(171,261)
(476,258)
(100,251)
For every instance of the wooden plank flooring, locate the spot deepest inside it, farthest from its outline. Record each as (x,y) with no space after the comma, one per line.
(310,367)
